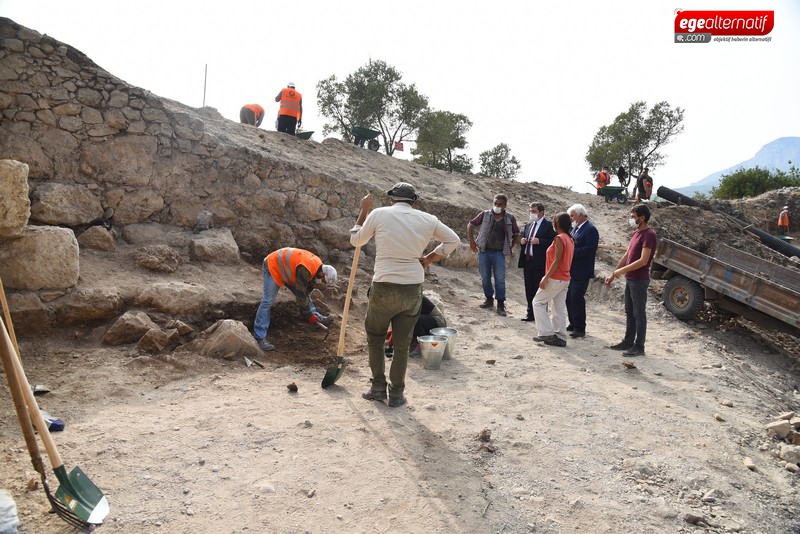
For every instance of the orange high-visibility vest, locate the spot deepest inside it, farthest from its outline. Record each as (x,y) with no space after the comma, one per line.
(783,218)
(602,179)
(255,108)
(282,264)
(648,188)
(290,103)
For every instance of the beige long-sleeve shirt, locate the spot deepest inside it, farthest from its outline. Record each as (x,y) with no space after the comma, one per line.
(401,235)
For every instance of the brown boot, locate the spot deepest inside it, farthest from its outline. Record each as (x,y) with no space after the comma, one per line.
(376,392)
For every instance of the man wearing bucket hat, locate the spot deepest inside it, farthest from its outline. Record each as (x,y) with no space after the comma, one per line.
(298,270)
(401,235)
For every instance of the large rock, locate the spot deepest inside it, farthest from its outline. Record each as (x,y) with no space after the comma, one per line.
(174,297)
(159,258)
(228,339)
(97,238)
(45,257)
(214,246)
(64,204)
(15,207)
(129,328)
(31,316)
(86,305)
(155,234)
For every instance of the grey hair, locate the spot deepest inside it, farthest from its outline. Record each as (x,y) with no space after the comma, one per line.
(579,209)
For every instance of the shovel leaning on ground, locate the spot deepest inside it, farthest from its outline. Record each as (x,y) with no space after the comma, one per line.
(335,371)
(77,500)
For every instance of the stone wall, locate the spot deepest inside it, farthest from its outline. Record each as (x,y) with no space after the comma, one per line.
(97,146)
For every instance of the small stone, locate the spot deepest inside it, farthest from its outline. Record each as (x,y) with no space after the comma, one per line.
(726,402)
(307,423)
(748,463)
(792,468)
(718,417)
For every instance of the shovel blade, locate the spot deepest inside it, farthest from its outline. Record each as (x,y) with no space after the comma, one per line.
(80,495)
(334,372)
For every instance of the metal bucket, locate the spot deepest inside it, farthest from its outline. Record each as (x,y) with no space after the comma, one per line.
(451,334)
(432,349)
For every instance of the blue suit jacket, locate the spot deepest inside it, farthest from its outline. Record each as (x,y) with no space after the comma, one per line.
(586,240)
(546,234)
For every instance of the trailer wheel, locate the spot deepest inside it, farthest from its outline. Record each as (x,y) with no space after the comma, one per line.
(622,198)
(683,297)
(373,145)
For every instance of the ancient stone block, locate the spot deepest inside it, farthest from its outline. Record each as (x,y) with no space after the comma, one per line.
(44,257)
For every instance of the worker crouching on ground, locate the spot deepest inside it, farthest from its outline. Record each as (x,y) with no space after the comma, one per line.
(299,270)
(401,234)
(251,114)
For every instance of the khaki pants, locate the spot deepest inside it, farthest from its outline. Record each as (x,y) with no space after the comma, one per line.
(399,306)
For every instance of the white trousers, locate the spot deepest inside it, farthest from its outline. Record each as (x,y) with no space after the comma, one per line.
(555,292)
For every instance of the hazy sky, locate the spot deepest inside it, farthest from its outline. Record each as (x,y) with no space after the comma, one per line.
(541,77)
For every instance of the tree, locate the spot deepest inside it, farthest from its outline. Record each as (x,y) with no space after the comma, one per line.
(372,97)
(499,162)
(440,133)
(635,138)
(753,181)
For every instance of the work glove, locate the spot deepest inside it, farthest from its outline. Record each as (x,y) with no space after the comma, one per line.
(313,319)
(299,124)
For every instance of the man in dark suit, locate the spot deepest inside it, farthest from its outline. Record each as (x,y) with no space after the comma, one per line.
(536,237)
(582,271)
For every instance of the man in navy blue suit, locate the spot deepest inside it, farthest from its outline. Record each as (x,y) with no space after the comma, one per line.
(582,271)
(537,235)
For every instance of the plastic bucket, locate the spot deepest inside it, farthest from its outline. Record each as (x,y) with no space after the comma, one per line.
(451,334)
(432,349)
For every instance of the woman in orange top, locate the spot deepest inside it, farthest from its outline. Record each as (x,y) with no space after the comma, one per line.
(554,285)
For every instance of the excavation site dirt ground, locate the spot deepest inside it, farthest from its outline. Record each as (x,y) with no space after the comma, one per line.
(508,436)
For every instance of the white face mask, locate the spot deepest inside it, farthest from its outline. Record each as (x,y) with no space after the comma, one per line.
(574,224)
(632,222)
(533,217)
(497,209)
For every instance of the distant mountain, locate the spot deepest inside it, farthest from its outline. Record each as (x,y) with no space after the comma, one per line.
(774,155)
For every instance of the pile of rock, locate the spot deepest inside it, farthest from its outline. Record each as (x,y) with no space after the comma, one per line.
(787,428)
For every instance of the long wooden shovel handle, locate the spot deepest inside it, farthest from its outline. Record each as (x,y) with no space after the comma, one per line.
(10,361)
(345,312)
(24,417)
(7,314)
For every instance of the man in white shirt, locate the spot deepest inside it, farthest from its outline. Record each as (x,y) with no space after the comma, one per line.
(401,235)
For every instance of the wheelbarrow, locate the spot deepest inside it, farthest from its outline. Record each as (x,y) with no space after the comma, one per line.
(613,192)
(304,135)
(365,135)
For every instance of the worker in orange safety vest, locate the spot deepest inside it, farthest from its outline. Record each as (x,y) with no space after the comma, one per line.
(603,178)
(783,221)
(251,114)
(290,113)
(299,270)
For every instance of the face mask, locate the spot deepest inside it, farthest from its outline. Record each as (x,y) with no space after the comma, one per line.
(574,224)
(632,222)
(533,217)
(497,209)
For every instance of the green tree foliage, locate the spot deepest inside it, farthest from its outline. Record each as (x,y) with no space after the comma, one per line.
(753,181)
(635,138)
(499,162)
(374,97)
(440,133)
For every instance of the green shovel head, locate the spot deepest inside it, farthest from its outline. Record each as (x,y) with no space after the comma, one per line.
(80,495)
(334,372)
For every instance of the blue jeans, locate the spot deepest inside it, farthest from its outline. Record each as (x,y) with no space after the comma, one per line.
(489,262)
(268,294)
(636,312)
